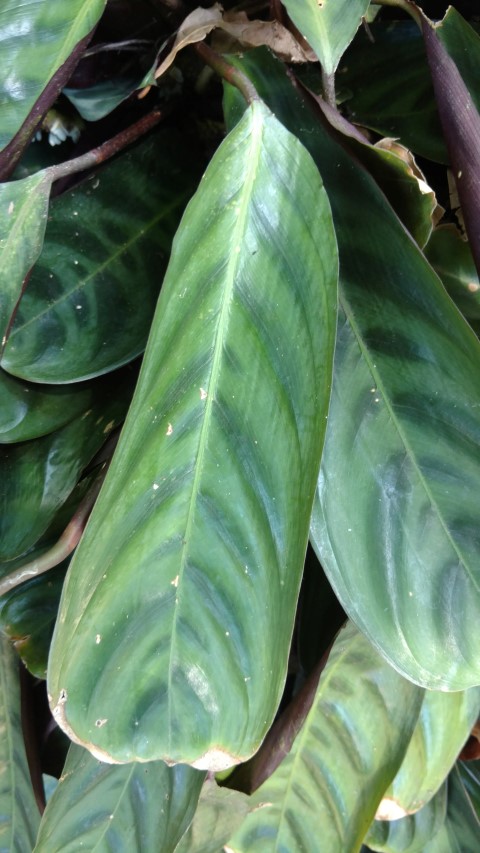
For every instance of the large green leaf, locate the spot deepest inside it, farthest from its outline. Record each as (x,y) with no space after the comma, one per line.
(395,519)
(36,38)
(329,26)
(37,476)
(183,589)
(19,815)
(106,249)
(343,758)
(452,260)
(444,724)
(137,808)
(23,217)
(410,834)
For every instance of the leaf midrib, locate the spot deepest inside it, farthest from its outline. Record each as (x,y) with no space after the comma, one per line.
(251,158)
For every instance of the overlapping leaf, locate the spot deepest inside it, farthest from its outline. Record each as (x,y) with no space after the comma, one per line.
(36,38)
(444,724)
(137,808)
(23,217)
(461,829)
(29,411)
(410,834)
(38,476)
(106,249)
(395,520)
(182,592)
(19,815)
(348,749)
(329,26)
(219,812)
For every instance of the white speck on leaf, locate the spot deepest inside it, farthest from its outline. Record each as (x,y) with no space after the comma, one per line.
(169,429)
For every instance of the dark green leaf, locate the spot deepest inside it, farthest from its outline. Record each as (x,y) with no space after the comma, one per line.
(395,520)
(451,258)
(135,808)
(36,477)
(27,616)
(99,100)
(350,746)
(469,773)
(29,411)
(19,815)
(386,86)
(328,26)
(106,249)
(410,834)
(36,38)
(200,531)
(461,831)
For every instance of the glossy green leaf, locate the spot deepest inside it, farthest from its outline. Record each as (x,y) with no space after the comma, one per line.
(219,812)
(137,808)
(461,830)
(444,724)
(37,477)
(106,249)
(410,834)
(23,217)
(36,38)
(395,519)
(29,411)
(190,567)
(452,260)
(349,748)
(386,85)
(19,815)
(328,26)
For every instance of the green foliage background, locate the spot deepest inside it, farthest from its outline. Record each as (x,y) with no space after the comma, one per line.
(240,299)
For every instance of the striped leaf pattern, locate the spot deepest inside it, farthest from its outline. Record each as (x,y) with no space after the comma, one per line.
(348,749)
(106,249)
(183,589)
(137,808)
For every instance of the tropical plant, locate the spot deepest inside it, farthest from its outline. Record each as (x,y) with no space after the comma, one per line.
(312,371)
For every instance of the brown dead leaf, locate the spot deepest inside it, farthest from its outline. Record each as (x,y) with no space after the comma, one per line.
(194,28)
(270,34)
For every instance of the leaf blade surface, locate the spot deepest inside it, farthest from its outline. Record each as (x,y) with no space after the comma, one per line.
(200,508)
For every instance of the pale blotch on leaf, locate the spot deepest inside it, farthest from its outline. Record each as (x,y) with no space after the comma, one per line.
(390,810)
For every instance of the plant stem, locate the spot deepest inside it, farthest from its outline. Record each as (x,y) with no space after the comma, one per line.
(107,149)
(328,85)
(65,545)
(407,6)
(229,73)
